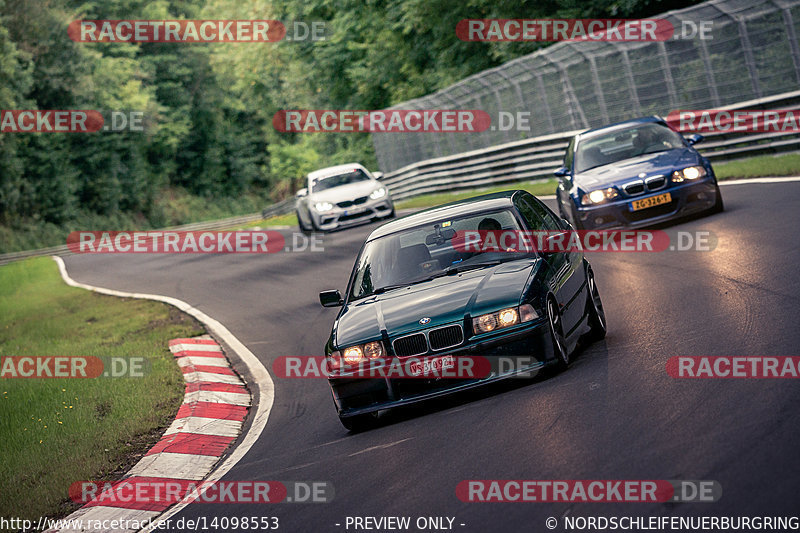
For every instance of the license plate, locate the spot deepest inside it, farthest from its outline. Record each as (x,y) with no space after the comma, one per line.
(652,201)
(356,211)
(432,366)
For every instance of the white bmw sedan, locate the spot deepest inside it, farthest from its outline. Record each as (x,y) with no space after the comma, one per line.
(341,196)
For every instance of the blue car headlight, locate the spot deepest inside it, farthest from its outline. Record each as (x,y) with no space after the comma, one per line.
(598,196)
(689,173)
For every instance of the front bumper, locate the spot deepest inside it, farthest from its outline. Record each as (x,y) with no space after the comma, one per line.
(529,344)
(352,216)
(687,199)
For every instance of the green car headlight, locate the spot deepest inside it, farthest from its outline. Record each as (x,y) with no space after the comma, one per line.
(689,173)
(504,318)
(355,355)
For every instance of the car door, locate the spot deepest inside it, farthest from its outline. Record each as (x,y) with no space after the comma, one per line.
(567,266)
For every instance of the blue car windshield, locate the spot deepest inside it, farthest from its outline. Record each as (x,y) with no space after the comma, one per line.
(425,252)
(329,182)
(625,144)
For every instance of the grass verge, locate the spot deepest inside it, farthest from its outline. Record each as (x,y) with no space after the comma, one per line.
(759,167)
(537,188)
(57,431)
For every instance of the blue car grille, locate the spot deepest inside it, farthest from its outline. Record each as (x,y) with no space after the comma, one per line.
(446,337)
(656,182)
(634,188)
(652,183)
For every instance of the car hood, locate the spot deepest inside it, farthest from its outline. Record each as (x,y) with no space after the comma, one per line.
(444,300)
(345,192)
(657,164)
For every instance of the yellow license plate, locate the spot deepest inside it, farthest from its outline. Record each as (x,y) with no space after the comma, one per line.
(652,201)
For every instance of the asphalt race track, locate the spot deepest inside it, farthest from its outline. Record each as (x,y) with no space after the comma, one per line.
(615,414)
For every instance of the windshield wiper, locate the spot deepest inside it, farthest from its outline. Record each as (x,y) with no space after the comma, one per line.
(381,290)
(455,269)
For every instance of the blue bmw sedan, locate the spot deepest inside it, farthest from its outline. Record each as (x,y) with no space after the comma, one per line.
(633,174)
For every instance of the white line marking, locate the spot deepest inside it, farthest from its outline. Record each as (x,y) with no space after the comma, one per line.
(191,360)
(193,377)
(262,381)
(188,347)
(175,465)
(379,447)
(205,426)
(759,180)
(217,397)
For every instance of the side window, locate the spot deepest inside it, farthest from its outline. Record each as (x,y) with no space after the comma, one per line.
(535,222)
(548,221)
(569,158)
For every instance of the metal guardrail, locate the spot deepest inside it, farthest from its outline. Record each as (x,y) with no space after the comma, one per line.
(535,159)
(527,160)
(750,50)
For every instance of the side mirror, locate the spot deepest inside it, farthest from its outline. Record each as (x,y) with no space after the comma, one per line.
(694,139)
(331,298)
(377,174)
(301,193)
(562,172)
(551,249)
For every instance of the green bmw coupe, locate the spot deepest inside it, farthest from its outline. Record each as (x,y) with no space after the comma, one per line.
(417,294)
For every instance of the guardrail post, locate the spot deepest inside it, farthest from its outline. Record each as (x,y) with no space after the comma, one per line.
(601,99)
(792,35)
(673,94)
(748,56)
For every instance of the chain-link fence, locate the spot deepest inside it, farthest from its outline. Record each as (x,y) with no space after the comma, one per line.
(751,52)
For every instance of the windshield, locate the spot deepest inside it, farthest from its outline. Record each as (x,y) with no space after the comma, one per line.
(426,252)
(625,144)
(329,182)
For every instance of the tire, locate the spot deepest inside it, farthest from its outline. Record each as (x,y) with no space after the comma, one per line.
(557,336)
(719,206)
(594,309)
(358,423)
(561,207)
(303,227)
(576,221)
(314,228)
